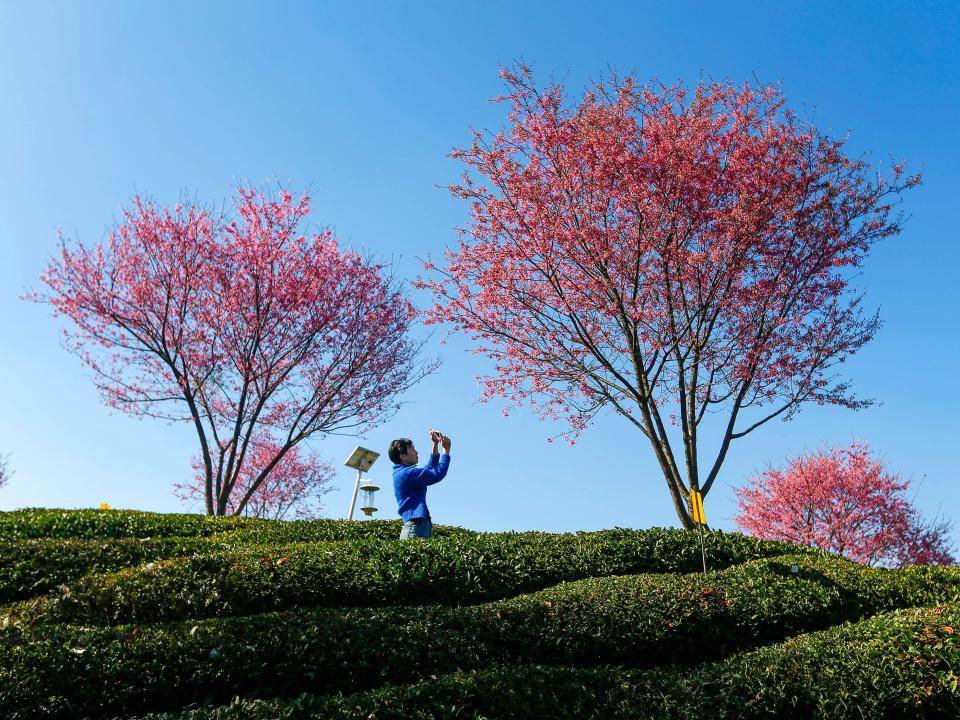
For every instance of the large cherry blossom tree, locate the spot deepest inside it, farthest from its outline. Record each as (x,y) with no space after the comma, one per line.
(661,253)
(257,335)
(844,501)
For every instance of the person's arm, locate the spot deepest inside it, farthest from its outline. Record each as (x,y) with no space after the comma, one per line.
(434,458)
(440,463)
(435,469)
(430,474)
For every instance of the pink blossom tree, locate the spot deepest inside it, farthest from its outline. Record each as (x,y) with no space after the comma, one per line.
(295,484)
(660,253)
(843,501)
(5,471)
(258,336)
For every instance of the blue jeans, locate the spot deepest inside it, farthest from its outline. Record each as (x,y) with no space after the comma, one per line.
(416,528)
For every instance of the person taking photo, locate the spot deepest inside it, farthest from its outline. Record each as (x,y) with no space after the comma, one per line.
(410,482)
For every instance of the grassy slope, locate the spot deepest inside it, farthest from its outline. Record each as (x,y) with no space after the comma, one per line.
(116,614)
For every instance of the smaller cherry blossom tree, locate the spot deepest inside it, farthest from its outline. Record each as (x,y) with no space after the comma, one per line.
(295,484)
(5,471)
(843,501)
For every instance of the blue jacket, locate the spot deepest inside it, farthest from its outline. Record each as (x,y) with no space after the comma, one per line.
(410,485)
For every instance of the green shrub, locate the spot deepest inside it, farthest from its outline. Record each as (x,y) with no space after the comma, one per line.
(297,531)
(41,550)
(495,659)
(108,524)
(115,524)
(38,566)
(642,620)
(897,666)
(213,582)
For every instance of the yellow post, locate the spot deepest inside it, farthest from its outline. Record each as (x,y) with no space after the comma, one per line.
(696,508)
(696,500)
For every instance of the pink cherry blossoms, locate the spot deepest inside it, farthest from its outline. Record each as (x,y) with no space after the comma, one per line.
(295,484)
(258,336)
(843,501)
(656,253)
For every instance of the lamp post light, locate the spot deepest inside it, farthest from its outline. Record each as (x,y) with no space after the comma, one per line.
(360,460)
(366,504)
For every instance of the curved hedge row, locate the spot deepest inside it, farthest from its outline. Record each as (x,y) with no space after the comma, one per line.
(896,666)
(41,550)
(107,524)
(117,524)
(638,621)
(34,567)
(213,582)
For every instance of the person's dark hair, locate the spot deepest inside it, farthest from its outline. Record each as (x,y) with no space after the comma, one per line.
(397,448)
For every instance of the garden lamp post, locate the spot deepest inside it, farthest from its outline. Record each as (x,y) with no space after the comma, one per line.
(367,490)
(360,460)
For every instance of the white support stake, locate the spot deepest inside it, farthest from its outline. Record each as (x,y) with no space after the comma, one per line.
(353,500)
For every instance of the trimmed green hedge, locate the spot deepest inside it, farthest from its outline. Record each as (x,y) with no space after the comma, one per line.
(897,666)
(38,566)
(108,524)
(41,550)
(116,524)
(213,582)
(638,621)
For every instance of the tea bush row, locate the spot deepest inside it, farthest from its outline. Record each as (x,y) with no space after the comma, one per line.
(895,666)
(32,567)
(637,621)
(216,581)
(107,524)
(116,524)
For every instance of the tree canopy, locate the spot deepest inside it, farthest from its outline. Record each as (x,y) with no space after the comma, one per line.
(661,253)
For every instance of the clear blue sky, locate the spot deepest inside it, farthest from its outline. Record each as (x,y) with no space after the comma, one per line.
(362,102)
